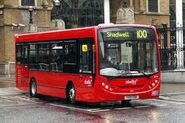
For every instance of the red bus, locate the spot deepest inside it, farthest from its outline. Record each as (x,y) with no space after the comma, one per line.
(92,64)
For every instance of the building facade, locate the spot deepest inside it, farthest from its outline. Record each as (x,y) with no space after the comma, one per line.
(80,13)
(23,16)
(20,16)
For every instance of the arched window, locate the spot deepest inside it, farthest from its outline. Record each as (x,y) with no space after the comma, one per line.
(80,13)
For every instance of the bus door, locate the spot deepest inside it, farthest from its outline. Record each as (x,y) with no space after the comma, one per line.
(86,62)
(22,72)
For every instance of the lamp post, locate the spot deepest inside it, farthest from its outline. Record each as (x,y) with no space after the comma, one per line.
(57,5)
(32,27)
(56,2)
(31,14)
(57,21)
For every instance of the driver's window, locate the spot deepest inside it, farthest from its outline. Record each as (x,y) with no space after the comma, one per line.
(112,53)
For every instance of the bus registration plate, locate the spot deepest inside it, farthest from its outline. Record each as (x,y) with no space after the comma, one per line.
(133,97)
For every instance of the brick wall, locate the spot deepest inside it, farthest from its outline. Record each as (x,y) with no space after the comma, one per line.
(16,14)
(1,44)
(142,17)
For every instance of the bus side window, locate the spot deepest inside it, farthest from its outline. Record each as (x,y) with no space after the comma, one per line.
(33,57)
(19,54)
(57,52)
(43,56)
(86,57)
(22,54)
(70,57)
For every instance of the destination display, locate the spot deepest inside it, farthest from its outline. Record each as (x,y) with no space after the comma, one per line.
(128,34)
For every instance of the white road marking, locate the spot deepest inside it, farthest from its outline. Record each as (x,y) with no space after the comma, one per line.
(96,110)
(172,102)
(143,106)
(69,107)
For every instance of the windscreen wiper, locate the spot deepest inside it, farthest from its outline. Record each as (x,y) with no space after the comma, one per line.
(121,75)
(148,76)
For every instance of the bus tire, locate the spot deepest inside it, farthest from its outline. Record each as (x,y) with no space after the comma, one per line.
(71,94)
(126,103)
(33,88)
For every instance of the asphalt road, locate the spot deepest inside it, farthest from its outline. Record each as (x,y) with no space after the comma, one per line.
(18,107)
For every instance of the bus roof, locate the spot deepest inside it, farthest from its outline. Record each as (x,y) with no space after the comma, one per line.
(86,32)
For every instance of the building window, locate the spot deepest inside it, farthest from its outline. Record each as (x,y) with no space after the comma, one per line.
(79,13)
(153,5)
(27,2)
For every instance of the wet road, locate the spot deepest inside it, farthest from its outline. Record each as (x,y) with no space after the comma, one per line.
(18,107)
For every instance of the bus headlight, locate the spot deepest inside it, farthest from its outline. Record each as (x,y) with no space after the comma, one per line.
(107,86)
(153,84)
(103,84)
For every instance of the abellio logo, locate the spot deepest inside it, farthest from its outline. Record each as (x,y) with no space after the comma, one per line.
(131,82)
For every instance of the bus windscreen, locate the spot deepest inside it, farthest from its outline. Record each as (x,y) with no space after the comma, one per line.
(127,52)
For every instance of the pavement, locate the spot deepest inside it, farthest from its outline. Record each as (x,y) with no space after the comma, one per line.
(169,91)
(173,92)
(7,81)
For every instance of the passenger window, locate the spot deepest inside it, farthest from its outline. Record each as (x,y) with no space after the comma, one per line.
(57,52)
(70,53)
(43,56)
(70,57)
(33,57)
(19,54)
(22,54)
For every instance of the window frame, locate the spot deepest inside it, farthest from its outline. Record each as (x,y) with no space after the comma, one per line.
(35,50)
(55,59)
(22,59)
(69,67)
(20,4)
(158,7)
(89,42)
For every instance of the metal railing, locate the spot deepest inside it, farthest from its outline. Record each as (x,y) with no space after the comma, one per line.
(168,59)
(169,49)
(7,69)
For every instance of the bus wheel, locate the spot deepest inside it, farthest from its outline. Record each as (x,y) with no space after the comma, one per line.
(71,93)
(33,88)
(126,103)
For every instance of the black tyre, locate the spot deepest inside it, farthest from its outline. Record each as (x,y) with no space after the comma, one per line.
(33,88)
(71,94)
(126,103)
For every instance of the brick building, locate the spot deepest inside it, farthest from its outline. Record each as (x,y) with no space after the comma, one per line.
(22,16)
(15,19)
(154,12)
